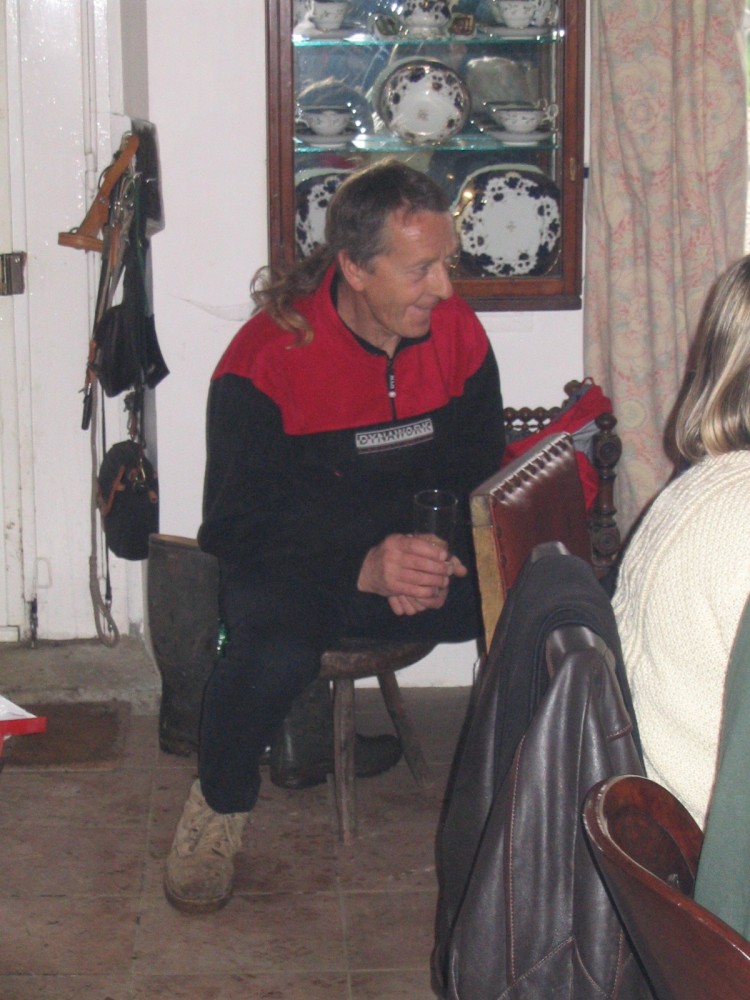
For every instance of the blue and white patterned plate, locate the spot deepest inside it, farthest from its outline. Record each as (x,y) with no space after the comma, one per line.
(423,101)
(508,222)
(313,190)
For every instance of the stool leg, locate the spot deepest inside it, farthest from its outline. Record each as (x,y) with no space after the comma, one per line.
(343,758)
(409,743)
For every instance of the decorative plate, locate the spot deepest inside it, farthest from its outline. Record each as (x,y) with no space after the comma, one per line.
(496,78)
(423,101)
(314,190)
(508,222)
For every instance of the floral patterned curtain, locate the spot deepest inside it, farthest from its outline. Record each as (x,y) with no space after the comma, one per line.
(666,207)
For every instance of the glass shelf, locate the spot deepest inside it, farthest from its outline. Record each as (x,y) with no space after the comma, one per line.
(387,143)
(500,37)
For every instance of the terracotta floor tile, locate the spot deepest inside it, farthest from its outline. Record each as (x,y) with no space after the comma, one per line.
(389,930)
(254,933)
(263,986)
(290,843)
(73,861)
(399,858)
(43,987)
(68,935)
(99,798)
(141,748)
(391,986)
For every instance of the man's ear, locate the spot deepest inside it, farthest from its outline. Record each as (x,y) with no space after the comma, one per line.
(351,273)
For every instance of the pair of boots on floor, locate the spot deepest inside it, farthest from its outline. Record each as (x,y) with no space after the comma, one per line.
(200,865)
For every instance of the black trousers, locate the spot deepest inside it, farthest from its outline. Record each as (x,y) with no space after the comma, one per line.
(276,635)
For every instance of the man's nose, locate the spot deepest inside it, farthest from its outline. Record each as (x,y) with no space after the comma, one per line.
(441,284)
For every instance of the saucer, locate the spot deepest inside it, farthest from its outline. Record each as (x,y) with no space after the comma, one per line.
(306,29)
(329,141)
(517,138)
(516,34)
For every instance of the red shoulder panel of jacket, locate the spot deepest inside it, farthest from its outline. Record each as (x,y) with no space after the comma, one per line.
(334,382)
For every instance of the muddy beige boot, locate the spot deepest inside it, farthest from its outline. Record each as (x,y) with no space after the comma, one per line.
(200,864)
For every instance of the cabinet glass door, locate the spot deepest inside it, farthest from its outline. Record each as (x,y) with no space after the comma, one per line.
(486,96)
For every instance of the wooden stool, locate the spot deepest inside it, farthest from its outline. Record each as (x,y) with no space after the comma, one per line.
(350,660)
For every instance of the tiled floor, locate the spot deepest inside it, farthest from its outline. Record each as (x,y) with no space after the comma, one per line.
(83,917)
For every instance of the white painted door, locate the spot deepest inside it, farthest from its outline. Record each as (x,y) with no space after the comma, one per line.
(13,405)
(55,139)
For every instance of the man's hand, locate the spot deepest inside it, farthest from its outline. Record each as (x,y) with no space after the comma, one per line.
(412,571)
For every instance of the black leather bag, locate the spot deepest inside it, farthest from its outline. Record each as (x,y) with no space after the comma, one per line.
(128,498)
(117,358)
(126,347)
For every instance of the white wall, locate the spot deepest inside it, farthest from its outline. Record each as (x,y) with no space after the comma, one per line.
(207,98)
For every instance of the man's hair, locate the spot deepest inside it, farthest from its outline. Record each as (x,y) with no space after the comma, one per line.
(714,415)
(361,205)
(355,224)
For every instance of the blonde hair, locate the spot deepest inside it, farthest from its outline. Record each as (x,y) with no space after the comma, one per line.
(714,415)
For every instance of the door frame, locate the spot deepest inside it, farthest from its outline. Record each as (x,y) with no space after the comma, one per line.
(17,540)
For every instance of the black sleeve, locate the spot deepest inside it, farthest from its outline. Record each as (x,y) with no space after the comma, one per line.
(480,427)
(244,453)
(262,511)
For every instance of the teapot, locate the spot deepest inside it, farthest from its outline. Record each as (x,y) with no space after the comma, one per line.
(426,18)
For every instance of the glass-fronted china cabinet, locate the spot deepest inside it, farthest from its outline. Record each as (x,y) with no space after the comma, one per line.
(492,110)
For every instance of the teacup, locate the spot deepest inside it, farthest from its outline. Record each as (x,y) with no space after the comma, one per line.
(329,120)
(299,11)
(328,15)
(522,118)
(426,17)
(514,13)
(547,13)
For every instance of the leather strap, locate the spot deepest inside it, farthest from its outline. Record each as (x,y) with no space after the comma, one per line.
(86,236)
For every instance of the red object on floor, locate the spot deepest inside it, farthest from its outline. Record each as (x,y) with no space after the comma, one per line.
(21,727)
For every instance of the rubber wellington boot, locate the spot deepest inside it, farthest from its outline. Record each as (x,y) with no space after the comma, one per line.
(200,865)
(302,752)
(183,612)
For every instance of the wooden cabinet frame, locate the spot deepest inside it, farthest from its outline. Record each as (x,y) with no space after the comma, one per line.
(561,290)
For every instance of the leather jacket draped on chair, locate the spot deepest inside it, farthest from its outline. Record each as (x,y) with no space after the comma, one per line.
(522,911)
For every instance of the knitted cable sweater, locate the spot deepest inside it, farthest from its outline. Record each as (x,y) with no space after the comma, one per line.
(681,591)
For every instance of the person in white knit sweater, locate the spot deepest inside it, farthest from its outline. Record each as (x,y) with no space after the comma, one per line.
(685,575)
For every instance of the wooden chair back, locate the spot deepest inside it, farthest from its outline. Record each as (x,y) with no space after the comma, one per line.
(537,498)
(647,847)
(604,450)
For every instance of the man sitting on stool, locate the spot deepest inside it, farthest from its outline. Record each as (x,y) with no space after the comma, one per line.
(361,380)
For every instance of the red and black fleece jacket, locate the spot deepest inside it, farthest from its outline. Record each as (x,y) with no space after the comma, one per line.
(315,450)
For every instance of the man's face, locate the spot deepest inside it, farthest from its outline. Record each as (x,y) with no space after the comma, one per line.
(396,293)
